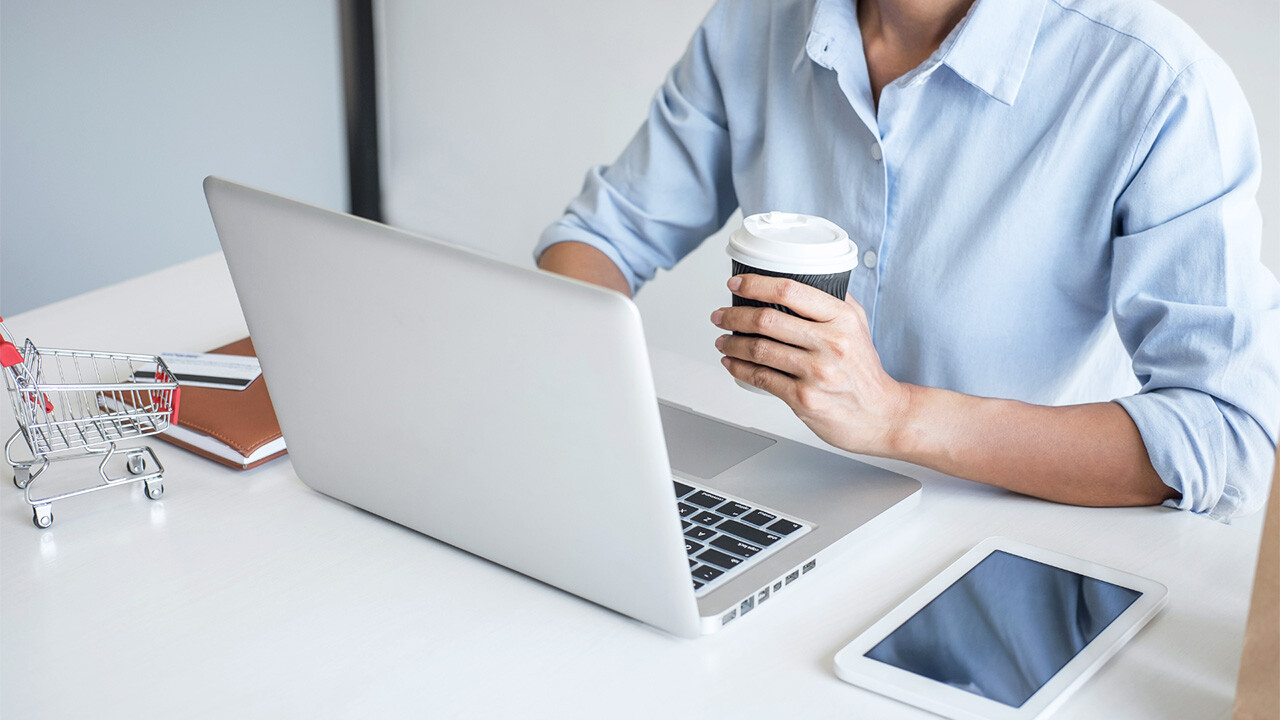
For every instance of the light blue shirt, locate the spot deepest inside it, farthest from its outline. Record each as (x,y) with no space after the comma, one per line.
(1058,206)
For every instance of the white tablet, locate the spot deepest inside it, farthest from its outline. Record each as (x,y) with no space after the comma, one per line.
(1006,632)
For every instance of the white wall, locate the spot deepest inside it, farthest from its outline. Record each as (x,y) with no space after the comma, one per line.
(1246,33)
(492,110)
(111,114)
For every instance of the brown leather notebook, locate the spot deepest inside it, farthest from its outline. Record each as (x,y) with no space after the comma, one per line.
(237,428)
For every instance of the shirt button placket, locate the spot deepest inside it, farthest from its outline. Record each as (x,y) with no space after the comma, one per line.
(865,231)
(873,206)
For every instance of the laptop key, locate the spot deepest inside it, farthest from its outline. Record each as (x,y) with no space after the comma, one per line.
(691,547)
(700,533)
(682,489)
(706,518)
(704,499)
(706,573)
(686,509)
(749,533)
(724,560)
(734,509)
(736,546)
(783,527)
(758,517)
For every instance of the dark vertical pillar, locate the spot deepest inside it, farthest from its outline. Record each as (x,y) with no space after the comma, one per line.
(360,83)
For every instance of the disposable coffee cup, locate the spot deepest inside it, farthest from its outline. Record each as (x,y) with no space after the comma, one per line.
(804,248)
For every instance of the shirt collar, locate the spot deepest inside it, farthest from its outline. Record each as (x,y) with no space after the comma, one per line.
(989,48)
(833,33)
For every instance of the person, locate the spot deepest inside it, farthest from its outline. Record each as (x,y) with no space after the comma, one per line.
(1054,200)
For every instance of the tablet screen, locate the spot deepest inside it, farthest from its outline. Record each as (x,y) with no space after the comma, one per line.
(1005,628)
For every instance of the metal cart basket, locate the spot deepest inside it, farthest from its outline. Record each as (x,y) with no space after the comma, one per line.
(76,404)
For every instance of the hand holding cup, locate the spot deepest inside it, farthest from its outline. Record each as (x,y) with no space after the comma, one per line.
(808,343)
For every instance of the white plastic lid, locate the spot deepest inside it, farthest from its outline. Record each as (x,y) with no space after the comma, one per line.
(794,244)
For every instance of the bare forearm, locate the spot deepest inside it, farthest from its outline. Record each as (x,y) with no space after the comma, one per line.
(822,363)
(1081,454)
(583,262)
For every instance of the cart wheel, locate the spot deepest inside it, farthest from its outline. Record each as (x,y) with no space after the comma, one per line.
(153,490)
(21,476)
(137,463)
(42,516)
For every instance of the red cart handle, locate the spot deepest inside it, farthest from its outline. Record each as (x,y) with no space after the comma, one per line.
(173,410)
(9,355)
(175,396)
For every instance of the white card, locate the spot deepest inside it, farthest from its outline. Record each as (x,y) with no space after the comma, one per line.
(227,372)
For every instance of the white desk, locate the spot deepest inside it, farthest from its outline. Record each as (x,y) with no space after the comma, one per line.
(247,594)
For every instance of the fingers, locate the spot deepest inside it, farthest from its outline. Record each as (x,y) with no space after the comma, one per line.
(804,300)
(767,379)
(779,352)
(764,351)
(814,306)
(768,322)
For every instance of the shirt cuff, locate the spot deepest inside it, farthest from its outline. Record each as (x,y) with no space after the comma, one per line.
(1211,453)
(562,231)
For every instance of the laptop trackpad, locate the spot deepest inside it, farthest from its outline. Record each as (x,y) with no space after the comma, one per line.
(703,447)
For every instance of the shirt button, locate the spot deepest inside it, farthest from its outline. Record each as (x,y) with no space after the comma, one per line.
(869,258)
(875,152)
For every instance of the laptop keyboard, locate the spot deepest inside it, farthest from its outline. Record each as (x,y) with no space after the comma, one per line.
(725,535)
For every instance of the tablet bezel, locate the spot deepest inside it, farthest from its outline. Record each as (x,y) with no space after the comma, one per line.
(852,665)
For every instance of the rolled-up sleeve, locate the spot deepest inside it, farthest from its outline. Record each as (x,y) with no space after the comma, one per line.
(672,185)
(1194,306)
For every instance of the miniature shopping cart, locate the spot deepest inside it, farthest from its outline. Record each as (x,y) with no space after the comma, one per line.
(76,404)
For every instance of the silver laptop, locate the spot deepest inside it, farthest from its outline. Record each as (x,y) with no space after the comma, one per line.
(511,413)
